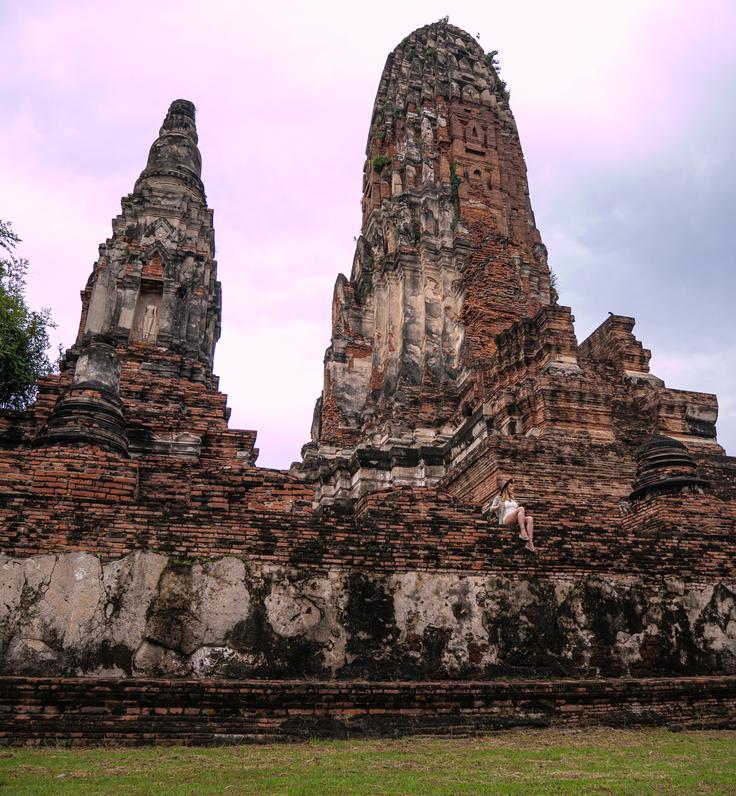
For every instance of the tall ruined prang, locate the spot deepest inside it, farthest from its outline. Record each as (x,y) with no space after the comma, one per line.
(448,330)
(449,254)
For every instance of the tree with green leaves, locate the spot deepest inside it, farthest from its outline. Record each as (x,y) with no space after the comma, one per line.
(24,333)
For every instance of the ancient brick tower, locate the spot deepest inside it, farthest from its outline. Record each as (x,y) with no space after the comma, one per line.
(448,257)
(446,331)
(151,317)
(156,584)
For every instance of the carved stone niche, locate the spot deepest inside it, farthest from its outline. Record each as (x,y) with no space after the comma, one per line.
(147,312)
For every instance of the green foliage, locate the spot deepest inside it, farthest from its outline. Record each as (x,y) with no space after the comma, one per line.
(495,67)
(503,90)
(431,52)
(379,117)
(553,293)
(492,60)
(24,333)
(379,162)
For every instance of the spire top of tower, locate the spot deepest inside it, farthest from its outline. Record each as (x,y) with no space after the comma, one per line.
(174,154)
(181,118)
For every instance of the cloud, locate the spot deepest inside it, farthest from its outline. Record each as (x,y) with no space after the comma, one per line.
(652,238)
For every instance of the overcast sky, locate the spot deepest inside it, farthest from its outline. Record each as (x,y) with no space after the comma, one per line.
(627,119)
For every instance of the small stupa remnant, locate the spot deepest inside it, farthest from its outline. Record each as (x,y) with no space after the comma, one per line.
(664,465)
(90,410)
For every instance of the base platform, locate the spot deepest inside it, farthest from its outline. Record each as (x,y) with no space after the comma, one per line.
(85,711)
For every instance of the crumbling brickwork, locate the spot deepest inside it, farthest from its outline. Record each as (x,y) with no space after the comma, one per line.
(139,538)
(77,712)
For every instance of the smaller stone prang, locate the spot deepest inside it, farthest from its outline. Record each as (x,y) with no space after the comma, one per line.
(155,282)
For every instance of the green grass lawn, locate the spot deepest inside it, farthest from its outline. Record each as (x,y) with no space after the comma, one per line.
(519,762)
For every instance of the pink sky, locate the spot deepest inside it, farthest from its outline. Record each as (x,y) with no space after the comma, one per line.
(613,101)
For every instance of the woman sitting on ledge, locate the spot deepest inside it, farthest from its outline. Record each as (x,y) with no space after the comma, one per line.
(509,512)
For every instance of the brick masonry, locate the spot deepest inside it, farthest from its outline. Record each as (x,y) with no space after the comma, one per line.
(76,712)
(138,537)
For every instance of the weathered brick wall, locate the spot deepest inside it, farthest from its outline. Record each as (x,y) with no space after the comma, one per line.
(613,342)
(67,498)
(79,712)
(266,516)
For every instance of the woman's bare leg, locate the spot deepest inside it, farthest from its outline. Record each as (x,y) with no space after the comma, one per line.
(530,534)
(517,515)
(523,521)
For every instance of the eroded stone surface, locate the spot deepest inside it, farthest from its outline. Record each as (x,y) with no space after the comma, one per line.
(310,608)
(447,612)
(198,605)
(130,585)
(11,592)
(71,607)
(148,615)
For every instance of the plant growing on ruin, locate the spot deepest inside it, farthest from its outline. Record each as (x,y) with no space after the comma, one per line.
(494,66)
(24,333)
(553,292)
(492,60)
(379,162)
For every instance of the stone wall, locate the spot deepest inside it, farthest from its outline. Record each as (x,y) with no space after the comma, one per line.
(152,615)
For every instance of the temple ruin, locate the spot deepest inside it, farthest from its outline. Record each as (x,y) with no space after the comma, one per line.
(158,586)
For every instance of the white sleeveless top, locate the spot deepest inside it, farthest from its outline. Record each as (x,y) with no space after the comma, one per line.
(501,507)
